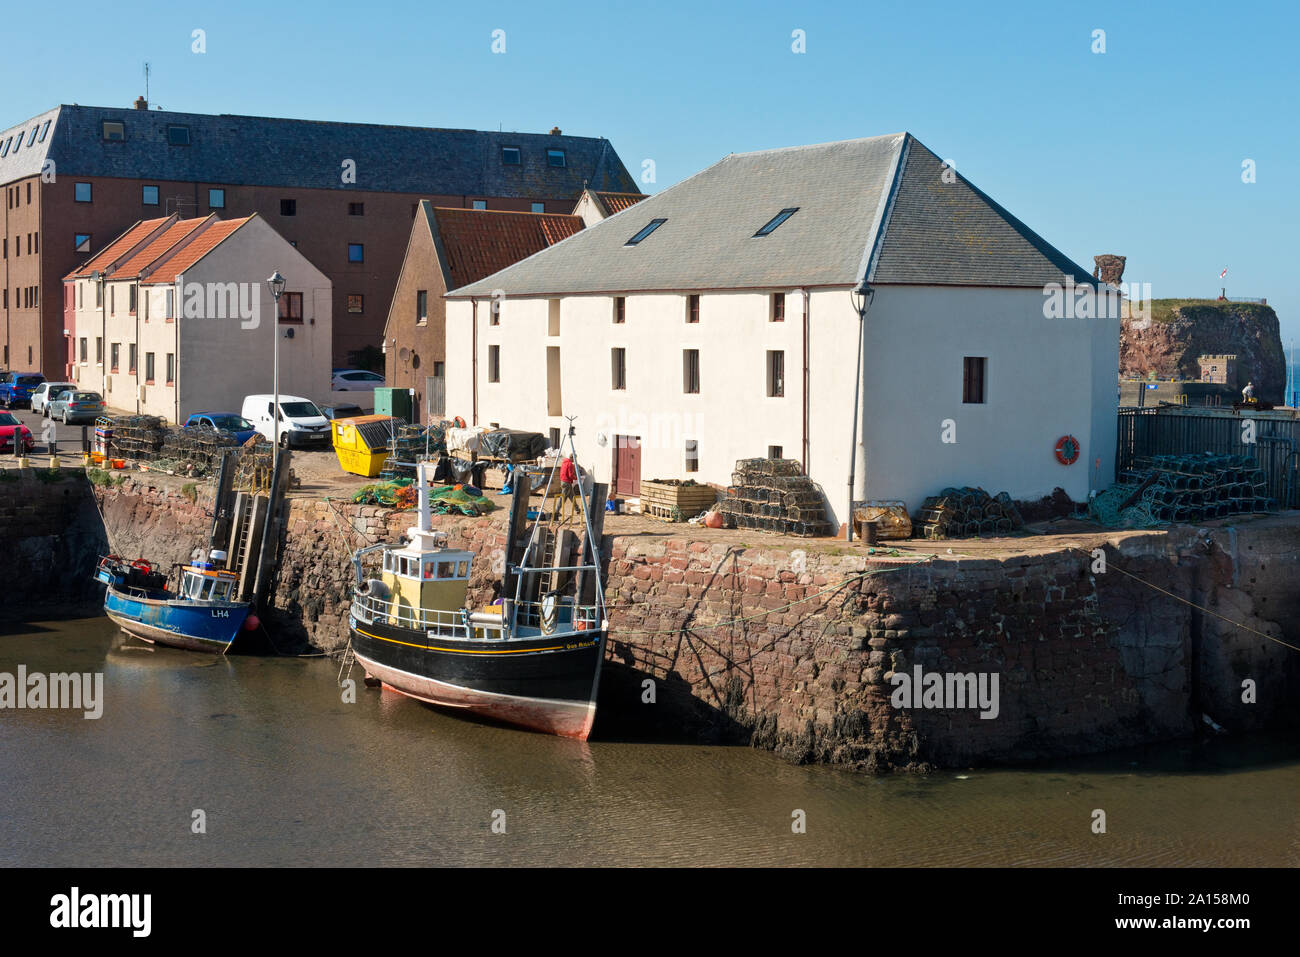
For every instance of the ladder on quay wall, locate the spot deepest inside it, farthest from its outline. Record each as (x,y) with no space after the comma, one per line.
(249,516)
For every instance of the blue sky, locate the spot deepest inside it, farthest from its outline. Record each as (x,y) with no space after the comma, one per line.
(1136,151)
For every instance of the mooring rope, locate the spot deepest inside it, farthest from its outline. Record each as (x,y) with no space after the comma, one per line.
(1201,608)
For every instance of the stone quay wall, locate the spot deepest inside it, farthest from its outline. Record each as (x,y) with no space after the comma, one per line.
(796,649)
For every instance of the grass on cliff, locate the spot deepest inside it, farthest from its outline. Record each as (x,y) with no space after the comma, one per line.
(104,477)
(1162,310)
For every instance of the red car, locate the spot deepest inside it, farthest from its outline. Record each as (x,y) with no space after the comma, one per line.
(8,423)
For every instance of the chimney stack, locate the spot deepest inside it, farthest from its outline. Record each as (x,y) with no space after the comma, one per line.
(555,131)
(1109,268)
(141,103)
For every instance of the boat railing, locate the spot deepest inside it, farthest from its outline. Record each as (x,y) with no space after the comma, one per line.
(459,623)
(368,608)
(579,617)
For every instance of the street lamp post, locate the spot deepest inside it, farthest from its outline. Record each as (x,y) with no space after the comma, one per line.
(861,297)
(276,282)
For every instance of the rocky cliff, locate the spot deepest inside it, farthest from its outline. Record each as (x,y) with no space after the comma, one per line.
(1179,331)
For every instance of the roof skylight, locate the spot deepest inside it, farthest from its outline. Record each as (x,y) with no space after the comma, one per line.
(776,221)
(645,231)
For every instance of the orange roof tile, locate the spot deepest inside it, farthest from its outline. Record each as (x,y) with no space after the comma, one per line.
(117,248)
(617,202)
(199,247)
(172,235)
(479,242)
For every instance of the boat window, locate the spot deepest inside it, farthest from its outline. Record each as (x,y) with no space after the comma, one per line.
(462,570)
(429,570)
(206,589)
(446,569)
(221,591)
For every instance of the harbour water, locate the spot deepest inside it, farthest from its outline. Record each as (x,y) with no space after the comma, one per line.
(287,773)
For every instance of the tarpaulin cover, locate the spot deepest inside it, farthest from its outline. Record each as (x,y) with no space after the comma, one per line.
(465,440)
(513,444)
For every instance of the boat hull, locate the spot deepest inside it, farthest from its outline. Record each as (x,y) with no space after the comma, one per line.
(195,626)
(544,684)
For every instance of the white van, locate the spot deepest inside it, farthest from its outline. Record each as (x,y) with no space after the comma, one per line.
(301,423)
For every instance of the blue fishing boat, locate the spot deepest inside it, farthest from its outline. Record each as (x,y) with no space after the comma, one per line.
(199,615)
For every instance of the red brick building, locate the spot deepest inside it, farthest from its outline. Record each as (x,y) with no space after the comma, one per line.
(450,248)
(345,194)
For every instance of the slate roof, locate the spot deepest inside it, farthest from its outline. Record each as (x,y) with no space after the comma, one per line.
(877,207)
(235,150)
(474,243)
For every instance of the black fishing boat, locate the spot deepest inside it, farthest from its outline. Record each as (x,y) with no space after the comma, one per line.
(531,658)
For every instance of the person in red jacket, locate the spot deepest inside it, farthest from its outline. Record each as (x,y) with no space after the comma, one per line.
(568,485)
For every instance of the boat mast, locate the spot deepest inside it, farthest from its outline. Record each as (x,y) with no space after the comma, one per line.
(588,544)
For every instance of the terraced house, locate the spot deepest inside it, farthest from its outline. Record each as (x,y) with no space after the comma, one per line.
(174,317)
(717,320)
(75,177)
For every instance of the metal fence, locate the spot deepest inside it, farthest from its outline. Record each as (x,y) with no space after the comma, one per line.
(1175,431)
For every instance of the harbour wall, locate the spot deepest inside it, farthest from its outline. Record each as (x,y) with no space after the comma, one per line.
(793,649)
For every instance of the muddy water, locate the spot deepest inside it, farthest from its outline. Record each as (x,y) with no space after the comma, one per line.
(286,773)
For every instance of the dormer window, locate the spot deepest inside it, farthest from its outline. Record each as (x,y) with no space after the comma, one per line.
(511,156)
(555,158)
(178,135)
(649,228)
(776,221)
(113,131)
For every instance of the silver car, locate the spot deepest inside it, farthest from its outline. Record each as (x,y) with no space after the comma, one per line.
(46,393)
(73,406)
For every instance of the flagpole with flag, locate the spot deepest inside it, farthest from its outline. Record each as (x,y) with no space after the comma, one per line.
(1223,290)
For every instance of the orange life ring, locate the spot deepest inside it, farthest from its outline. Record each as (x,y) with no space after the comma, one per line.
(1067,450)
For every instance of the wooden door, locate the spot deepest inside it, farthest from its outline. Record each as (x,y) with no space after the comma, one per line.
(435,394)
(627,465)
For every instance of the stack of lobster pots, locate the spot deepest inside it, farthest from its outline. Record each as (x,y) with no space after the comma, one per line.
(138,436)
(774,495)
(967,512)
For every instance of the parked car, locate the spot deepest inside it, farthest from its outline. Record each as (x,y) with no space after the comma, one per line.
(16,388)
(47,392)
(73,406)
(301,423)
(356,380)
(333,412)
(8,425)
(240,427)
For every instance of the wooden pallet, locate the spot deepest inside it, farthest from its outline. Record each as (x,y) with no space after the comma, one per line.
(665,513)
(688,500)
